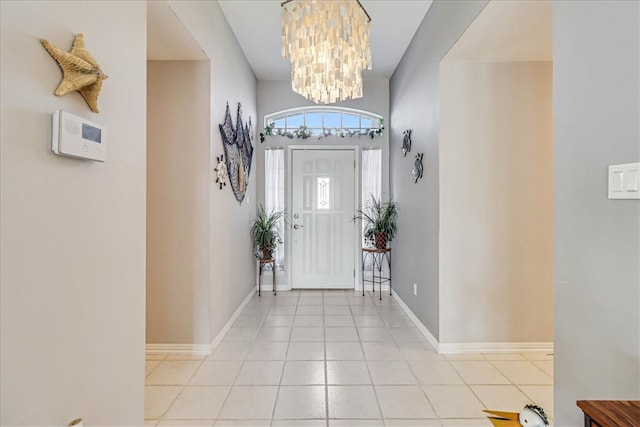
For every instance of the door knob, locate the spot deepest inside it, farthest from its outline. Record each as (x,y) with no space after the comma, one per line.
(296,226)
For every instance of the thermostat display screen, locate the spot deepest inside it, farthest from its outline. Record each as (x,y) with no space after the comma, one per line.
(75,136)
(91,133)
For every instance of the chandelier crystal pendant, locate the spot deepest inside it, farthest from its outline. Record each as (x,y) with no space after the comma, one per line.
(328,43)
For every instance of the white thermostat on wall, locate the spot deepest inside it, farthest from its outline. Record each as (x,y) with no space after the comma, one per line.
(74,136)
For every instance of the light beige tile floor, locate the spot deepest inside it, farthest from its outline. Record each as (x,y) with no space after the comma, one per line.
(337,359)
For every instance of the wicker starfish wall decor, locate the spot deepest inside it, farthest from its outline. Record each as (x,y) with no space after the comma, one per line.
(80,71)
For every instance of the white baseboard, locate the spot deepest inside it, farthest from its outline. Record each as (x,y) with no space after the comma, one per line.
(425,331)
(199,349)
(369,287)
(195,349)
(496,347)
(283,285)
(268,287)
(267,281)
(477,347)
(229,323)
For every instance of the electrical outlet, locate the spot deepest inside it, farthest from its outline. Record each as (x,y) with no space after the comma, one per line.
(415,289)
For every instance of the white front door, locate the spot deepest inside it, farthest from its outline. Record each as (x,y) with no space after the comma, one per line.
(323,233)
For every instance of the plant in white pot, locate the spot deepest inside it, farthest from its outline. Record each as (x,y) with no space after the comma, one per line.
(265,231)
(379,219)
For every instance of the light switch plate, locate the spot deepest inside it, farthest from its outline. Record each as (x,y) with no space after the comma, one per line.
(624,181)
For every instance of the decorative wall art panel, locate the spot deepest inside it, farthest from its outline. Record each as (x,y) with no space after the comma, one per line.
(417,167)
(406,142)
(238,150)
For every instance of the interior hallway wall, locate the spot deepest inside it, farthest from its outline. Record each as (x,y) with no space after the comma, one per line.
(231,260)
(178,179)
(72,243)
(596,107)
(414,100)
(496,202)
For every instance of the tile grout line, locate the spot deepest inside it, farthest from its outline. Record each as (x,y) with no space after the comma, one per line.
(509,379)
(181,391)
(233,384)
(275,402)
(387,314)
(284,362)
(326,370)
(469,385)
(366,364)
(420,386)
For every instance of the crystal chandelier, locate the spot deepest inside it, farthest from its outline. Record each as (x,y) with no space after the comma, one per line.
(328,44)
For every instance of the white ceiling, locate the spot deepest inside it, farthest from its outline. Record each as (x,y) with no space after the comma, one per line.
(167,37)
(256,25)
(504,31)
(508,31)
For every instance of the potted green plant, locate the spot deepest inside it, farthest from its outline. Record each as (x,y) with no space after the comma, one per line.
(265,231)
(379,219)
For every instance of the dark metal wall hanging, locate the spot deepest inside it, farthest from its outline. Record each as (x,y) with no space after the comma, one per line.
(239,152)
(221,171)
(406,142)
(417,167)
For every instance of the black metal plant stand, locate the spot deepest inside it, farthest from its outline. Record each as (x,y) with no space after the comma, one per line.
(262,263)
(378,257)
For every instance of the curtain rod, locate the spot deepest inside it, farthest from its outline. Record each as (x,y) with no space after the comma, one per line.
(359,4)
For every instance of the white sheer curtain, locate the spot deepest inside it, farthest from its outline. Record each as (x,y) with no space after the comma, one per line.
(274,192)
(371,181)
(371,173)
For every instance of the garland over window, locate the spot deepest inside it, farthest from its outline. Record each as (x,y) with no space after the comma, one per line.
(306,122)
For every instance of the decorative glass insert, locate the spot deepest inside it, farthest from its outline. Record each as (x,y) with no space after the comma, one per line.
(324,193)
(323,121)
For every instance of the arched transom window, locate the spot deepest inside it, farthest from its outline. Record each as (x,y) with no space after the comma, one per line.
(323,120)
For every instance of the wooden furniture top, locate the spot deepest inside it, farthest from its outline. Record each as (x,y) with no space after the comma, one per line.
(612,413)
(266,261)
(376,250)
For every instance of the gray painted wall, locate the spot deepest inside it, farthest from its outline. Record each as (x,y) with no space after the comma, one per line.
(231,261)
(414,102)
(597,251)
(72,276)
